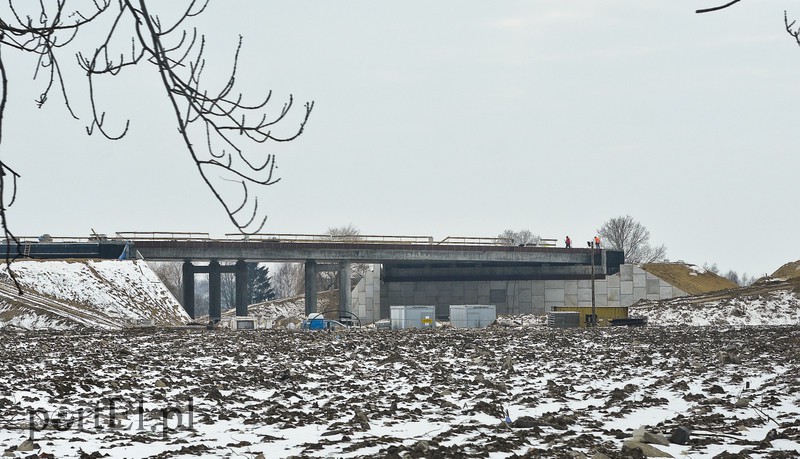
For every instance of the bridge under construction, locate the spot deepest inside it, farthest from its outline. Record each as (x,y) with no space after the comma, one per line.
(412,269)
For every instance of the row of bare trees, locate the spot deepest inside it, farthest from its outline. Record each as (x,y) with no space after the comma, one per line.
(733,276)
(618,233)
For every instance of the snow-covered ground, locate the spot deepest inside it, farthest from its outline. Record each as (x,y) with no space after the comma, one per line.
(68,294)
(517,389)
(508,391)
(771,302)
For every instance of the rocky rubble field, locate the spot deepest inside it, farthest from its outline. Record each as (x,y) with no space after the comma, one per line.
(723,392)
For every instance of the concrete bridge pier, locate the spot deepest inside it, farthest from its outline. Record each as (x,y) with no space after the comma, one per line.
(345,287)
(214,291)
(242,300)
(188,288)
(311,286)
(214,271)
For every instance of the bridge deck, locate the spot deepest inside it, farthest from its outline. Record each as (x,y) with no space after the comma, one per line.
(356,252)
(398,250)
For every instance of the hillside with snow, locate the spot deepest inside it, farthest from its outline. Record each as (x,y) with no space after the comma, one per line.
(70,294)
(770,301)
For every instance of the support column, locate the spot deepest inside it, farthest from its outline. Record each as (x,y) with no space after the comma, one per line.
(242,299)
(188,288)
(345,288)
(311,286)
(594,308)
(214,292)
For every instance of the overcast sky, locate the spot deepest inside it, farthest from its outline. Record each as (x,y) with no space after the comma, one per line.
(458,118)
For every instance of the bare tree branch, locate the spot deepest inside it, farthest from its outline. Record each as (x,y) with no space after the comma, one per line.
(5,171)
(717,8)
(221,123)
(790,28)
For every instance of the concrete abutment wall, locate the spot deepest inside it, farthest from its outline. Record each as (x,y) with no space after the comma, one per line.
(623,289)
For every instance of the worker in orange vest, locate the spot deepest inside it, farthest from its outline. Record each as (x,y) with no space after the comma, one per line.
(597,242)
(568,242)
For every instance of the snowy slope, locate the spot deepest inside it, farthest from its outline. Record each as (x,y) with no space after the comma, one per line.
(64,294)
(769,302)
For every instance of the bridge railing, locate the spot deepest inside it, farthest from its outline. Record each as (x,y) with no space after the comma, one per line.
(162,235)
(541,242)
(56,239)
(360,238)
(284,237)
(469,240)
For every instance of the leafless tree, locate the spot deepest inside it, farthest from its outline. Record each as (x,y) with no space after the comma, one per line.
(201,295)
(741,280)
(733,276)
(329,280)
(521,237)
(171,275)
(288,279)
(223,133)
(630,236)
(227,287)
(349,232)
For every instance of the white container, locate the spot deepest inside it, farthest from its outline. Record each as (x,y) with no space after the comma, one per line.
(413,317)
(472,315)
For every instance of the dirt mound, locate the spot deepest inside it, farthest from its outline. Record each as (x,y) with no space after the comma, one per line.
(692,279)
(326,300)
(291,309)
(788,271)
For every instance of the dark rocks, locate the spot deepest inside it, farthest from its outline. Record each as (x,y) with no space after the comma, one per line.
(508,365)
(215,394)
(716,389)
(645,436)
(392,358)
(645,449)
(525,422)
(360,419)
(680,435)
(488,408)
(728,357)
(564,401)
(27,446)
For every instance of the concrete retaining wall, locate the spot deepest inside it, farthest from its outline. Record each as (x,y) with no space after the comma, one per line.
(630,285)
(366,297)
